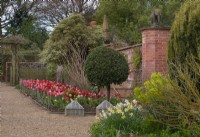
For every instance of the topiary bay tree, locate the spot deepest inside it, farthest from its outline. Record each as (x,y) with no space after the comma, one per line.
(184,42)
(105,66)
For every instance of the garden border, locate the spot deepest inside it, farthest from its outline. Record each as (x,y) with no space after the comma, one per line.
(49,110)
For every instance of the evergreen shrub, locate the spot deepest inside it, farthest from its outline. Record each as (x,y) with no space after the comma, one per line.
(184,40)
(105,66)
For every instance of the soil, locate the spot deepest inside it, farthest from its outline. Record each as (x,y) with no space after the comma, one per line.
(21,117)
(90,110)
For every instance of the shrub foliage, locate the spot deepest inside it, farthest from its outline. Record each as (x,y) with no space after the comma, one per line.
(185,38)
(153,88)
(71,32)
(105,66)
(165,100)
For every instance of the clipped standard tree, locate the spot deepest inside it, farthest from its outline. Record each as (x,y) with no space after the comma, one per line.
(105,66)
(184,42)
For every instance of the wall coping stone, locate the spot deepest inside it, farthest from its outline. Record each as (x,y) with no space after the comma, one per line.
(155,28)
(129,47)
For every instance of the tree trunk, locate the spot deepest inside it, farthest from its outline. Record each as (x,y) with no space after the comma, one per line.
(1,33)
(108,92)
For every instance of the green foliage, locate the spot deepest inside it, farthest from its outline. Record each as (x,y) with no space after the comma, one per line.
(51,71)
(89,102)
(128,119)
(168,10)
(58,102)
(70,33)
(168,133)
(17,86)
(19,16)
(92,88)
(123,18)
(168,104)
(114,100)
(118,119)
(137,59)
(105,66)
(26,25)
(169,112)
(184,39)
(127,17)
(53,103)
(125,119)
(30,30)
(96,36)
(153,88)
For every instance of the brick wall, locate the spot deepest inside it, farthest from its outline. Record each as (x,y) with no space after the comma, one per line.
(154,59)
(135,76)
(154,51)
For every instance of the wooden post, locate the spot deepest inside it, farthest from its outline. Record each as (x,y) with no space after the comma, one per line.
(15,65)
(14,42)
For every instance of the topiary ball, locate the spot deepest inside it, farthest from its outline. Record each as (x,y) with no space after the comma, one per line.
(105,66)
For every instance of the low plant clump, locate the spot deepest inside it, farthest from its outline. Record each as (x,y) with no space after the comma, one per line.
(162,109)
(176,108)
(119,120)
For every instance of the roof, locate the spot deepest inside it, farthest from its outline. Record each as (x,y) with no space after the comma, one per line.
(13,40)
(74,105)
(105,104)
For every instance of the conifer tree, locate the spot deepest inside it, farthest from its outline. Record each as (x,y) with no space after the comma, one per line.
(184,41)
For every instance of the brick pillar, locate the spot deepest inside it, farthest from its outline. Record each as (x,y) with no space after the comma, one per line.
(154,51)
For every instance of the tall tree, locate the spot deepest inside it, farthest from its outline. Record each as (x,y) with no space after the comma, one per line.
(25,24)
(3,19)
(70,33)
(184,42)
(51,13)
(126,18)
(8,9)
(47,14)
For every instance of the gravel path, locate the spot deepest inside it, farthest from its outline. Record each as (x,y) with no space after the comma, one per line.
(20,117)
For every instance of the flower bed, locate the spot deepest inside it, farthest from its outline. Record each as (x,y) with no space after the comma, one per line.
(55,96)
(121,120)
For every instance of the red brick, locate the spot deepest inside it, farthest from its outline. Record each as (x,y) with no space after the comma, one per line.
(154,51)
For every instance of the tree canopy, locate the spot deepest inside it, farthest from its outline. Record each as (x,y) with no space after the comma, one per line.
(126,18)
(28,27)
(105,66)
(184,41)
(71,32)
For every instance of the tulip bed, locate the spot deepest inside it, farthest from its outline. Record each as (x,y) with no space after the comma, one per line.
(55,96)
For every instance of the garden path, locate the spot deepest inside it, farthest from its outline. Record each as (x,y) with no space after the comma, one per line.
(21,117)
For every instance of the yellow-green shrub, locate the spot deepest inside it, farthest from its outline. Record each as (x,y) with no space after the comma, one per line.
(173,105)
(152,88)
